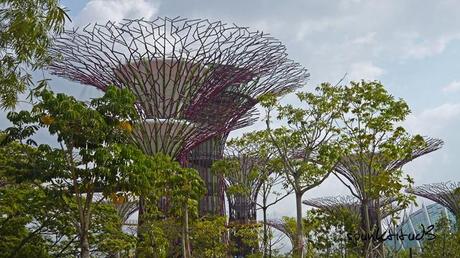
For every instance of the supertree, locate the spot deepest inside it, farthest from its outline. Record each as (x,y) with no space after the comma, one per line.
(284,227)
(125,206)
(335,205)
(359,174)
(446,193)
(242,180)
(201,159)
(202,156)
(242,188)
(179,70)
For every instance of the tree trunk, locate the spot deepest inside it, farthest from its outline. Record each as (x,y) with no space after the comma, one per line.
(140,225)
(84,228)
(265,239)
(299,248)
(84,246)
(185,234)
(366,228)
(378,223)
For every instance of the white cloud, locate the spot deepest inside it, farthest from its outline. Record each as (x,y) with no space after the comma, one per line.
(452,87)
(366,39)
(364,70)
(435,120)
(428,47)
(101,11)
(328,24)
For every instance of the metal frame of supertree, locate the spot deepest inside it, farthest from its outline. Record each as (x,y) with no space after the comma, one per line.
(242,207)
(349,167)
(334,204)
(446,193)
(281,226)
(202,157)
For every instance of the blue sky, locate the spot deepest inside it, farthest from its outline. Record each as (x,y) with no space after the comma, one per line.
(412,46)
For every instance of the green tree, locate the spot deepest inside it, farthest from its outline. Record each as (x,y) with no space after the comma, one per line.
(93,156)
(26,28)
(374,145)
(207,237)
(181,188)
(307,147)
(446,242)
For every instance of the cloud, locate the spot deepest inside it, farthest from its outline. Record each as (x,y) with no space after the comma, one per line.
(452,87)
(368,38)
(435,120)
(311,26)
(428,47)
(365,70)
(101,11)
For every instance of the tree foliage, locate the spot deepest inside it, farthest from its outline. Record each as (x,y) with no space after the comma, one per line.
(308,146)
(26,28)
(94,156)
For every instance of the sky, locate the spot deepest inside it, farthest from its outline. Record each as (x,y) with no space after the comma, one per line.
(412,47)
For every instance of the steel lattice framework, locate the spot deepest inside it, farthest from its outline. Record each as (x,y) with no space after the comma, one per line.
(354,168)
(284,228)
(201,159)
(447,194)
(335,204)
(179,70)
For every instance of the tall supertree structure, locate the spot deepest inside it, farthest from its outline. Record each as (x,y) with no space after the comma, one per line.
(357,171)
(179,70)
(334,204)
(202,156)
(242,202)
(242,181)
(447,194)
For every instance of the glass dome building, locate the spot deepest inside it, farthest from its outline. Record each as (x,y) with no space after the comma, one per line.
(417,222)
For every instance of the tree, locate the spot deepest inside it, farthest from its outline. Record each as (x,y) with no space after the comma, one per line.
(180,188)
(25,35)
(446,243)
(208,237)
(308,147)
(94,154)
(375,148)
(41,218)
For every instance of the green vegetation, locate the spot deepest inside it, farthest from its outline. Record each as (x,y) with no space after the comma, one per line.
(64,200)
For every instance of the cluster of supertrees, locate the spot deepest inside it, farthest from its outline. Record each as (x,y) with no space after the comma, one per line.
(194,80)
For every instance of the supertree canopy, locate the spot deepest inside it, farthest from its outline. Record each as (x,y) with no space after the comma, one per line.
(179,70)
(447,194)
(335,205)
(354,168)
